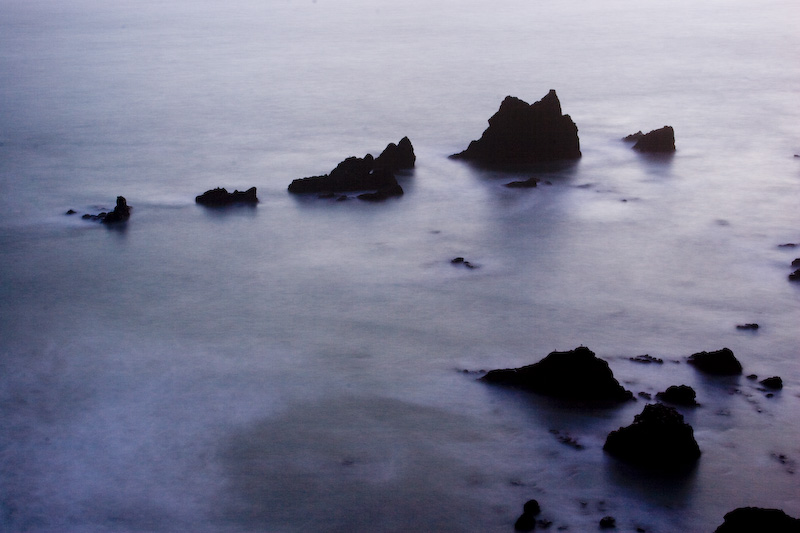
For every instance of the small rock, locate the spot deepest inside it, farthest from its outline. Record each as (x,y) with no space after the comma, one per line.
(647,359)
(71,212)
(775,383)
(752,326)
(795,276)
(661,140)
(221,197)
(749,519)
(121,212)
(796,262)
(679,395)
(721,362)
(526,184)
(752,377)
(787,245)
(527,521)
(608,522)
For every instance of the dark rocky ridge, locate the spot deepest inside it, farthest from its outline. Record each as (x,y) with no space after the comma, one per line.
(721,362)
(575,375)
(661,140)
(750,519)
(221,197)
(121,213)
(658,439)
(522,134)
(363,174)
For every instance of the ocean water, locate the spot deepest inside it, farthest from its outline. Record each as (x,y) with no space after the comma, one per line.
(311,365)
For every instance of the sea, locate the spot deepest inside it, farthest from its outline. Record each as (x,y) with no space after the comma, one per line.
(308,364)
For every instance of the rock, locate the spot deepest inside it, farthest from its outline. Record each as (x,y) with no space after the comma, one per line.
(527,521)
(576,375)
(658,439)
(633,136)
(363,174)
(646,359)
(679,395)
(462,261)
(608,522)
(750,519)
(747,326)
(661,140)
(526,184)
(221,197)
(71,212)
(796,262)
(775,383)
(788,245)
(121,212)
(795,276)
(721,362)
(521,134)
(396,157)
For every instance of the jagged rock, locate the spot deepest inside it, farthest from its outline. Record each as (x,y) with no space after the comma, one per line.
(796,262)
(221,197)
(660,140)
(774,382)
(633,136)
(525,184)
(752,326)
(521,134)
(576,375)
(121,212)
(679,395)
(658,439)
(363,174)
(721,362)
(608,522)
(795,276)
(750,519)
(71,212)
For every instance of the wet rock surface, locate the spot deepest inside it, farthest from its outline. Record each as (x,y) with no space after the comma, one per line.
(575,375)
(521,134)
(658,439)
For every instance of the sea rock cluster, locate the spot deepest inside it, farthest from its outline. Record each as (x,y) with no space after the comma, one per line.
(521,134)
(363,174)
(120,213)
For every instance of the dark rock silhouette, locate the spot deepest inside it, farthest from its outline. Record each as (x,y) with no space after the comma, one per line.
(363,174)
(633,137)
(796,262)
(525,184)
(521,134)
(658,439)
(608,522)
(646,359)
(462,261)
(679,395)
(775,383)
(721,362)
(220,197)
(576,375)
(661,140)
(795,276)
(752,326)
(121,212)
(750,519)
(527,521)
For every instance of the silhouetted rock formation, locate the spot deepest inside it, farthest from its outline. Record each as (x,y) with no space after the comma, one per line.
(646,359)
(525,184)
(721,362)
(633,137)
(775,383)
(795,276)
(577,375)
(679,395)
(220,197)
(121,212)
(527,521)
(752,326)
(750,519)
(363,174)
(661,140)
(658,439)
(521,134)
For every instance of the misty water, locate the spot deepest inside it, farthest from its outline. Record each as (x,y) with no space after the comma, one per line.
(312,365)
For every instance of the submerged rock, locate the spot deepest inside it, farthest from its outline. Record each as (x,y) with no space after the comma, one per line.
(363,174)
(576,375)
(658,439)
(633,137)
(647,359)
(795,276)
(221,197)
(750,519)
(679,395)
(521,134)
(661,140)
(121,212)
(721,362)
(752,326)
(527,521)
(524,184)
(775,383)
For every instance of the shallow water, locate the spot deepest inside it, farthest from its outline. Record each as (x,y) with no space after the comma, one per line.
(301,365)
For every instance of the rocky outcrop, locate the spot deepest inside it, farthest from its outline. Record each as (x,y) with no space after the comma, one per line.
(658,439)
(679,395)
(661,140)
(721,362)
(774,383)
(527,520)
(363,174)
(120,213)
(750,519)
(522,134)
(576,375)
(221,197)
